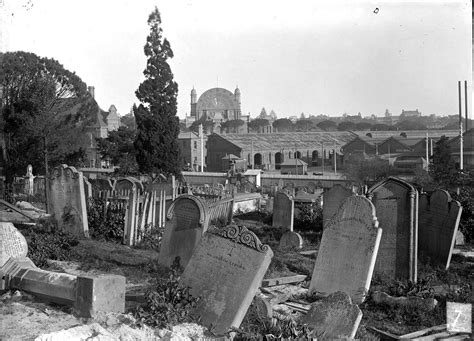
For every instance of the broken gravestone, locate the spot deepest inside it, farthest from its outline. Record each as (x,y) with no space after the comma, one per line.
(438,223)
(396,204)
(332,201)
(348,251)
(67,200)
(283,211)
(12,243)
(333,317)
(186,222)
(225,272)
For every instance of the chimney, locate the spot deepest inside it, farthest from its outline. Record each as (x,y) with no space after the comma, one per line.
(91,91)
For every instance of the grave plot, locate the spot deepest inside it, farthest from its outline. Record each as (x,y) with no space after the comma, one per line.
(396,205)
(225,271)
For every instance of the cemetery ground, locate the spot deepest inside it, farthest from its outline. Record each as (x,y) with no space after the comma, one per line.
(25,316)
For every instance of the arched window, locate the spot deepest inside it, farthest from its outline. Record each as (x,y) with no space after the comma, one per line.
(297,155)
(257,159)
(314,155)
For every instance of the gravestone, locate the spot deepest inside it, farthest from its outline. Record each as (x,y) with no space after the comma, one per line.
(128,183)
(396,204)
(12,243)
(332,201)
(87,188)
(333,318)
(283,211)
(291,240)
(67,200)
(348,251)
(225,271)
(438,223)
(186,222)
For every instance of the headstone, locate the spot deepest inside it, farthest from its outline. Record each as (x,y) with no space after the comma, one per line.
(128,183)
(101,184)
(12,243)
(30,178)
(186,222)
(396,204)
(67,200)
(438,223)
(348,251)
(460,238)
(333,199)
(291,240)
(283,211)
(333,318)
(87,188)
(226,271)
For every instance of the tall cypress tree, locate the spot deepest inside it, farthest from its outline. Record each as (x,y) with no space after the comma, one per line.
(157,124)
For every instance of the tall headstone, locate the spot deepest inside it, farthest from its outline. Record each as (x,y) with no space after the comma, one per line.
(439,218)
(225,272)
(12,243)
(67,200)
(283,211)
(332,201)
(396,204)
(186,222)
(348,250)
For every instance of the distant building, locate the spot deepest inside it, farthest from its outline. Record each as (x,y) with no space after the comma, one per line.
(190,147)
(410,113)
(468,149)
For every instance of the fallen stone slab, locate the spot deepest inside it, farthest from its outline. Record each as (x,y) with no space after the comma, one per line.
(270,282)
(84,332)
(87,294)
(12,243)
(282,293)
(383,298)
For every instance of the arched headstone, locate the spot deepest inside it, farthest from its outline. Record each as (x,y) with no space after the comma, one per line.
(332,201)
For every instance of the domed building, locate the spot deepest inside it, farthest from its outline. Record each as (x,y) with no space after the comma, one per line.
(216,104)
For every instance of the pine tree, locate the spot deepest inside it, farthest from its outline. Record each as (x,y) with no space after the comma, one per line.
(157,124)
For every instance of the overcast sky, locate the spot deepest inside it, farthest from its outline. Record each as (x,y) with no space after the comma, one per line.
(317,57)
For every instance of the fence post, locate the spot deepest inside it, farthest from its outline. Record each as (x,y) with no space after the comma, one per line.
(130,219)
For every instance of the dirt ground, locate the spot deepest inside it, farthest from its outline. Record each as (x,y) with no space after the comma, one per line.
(24,317)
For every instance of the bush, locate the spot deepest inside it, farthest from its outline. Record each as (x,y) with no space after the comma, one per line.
(309,218)
(49,243)
(109,226)
(167,304)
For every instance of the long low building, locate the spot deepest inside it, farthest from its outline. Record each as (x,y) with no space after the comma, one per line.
(269,151)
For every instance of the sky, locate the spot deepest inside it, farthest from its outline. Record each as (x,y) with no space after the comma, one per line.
(303,56)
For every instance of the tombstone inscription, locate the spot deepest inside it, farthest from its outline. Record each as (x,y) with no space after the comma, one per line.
(67,200)
(348,251)
(396,205)
(12,243)
(186,222)
(439,218)
(225,271)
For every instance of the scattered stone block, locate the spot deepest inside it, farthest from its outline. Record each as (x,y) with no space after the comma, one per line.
(225,271)
(438,223)
(291,240)
(333,317)
(187,220)
(283,211)
(425,303)
(396,204)
(348,251)
(332,201)
(100,293)
(12,243)
(67,200)
(270,282)
(459,238)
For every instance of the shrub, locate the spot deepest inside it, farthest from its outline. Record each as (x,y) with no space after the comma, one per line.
(310,217)
(109,226)
(167,304)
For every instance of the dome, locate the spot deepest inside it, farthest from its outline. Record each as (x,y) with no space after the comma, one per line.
(217,99)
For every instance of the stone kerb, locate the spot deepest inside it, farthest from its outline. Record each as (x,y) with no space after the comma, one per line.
(283,211)
(439,217)
(348,251)
(225,272)
(332,201)
(67,200)
(396,205)
(186,222)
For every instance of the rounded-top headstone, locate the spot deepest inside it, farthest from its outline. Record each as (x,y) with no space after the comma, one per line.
(12,243)
(291,240)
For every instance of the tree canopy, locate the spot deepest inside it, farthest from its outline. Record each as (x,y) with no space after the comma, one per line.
(257,123)
(44,111)
(118,148)
(283,125)
(157,123)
